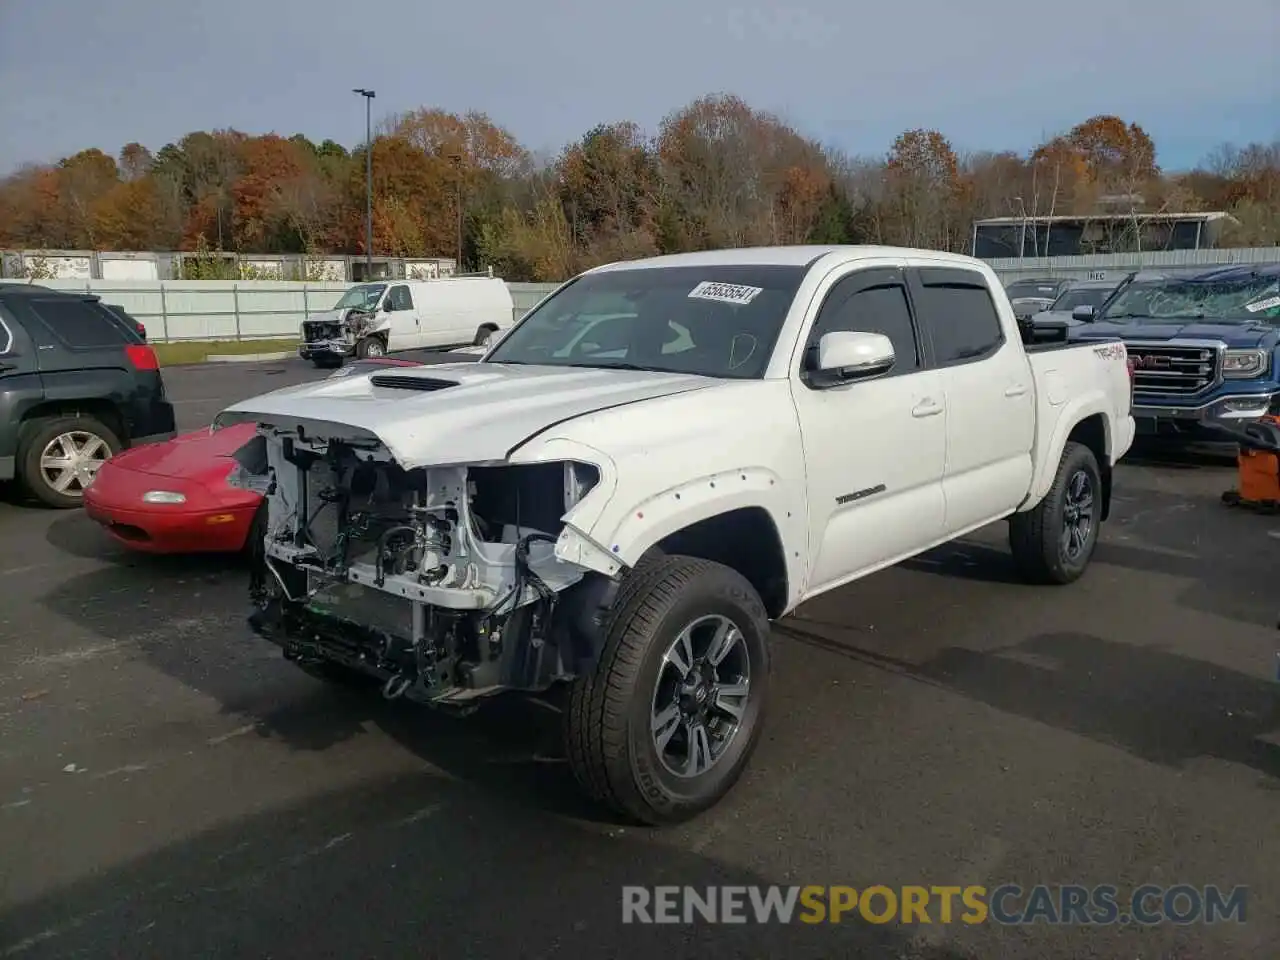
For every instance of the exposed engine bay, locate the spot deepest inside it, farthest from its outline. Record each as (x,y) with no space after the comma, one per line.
(443,583)
(341,332)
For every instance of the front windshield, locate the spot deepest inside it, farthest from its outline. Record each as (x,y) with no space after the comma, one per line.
(1081,297)
(713,321)
(1037,289)
(363,297)
(1247,300)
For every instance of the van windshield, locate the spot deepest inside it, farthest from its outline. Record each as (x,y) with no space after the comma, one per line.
(711,321)
(363,297)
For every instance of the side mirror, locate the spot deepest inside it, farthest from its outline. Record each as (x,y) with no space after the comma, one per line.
(843,355)
(1083,313)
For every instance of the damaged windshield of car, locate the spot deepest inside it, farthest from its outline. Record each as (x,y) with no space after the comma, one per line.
(705,320)
(1247,300)
(363,297)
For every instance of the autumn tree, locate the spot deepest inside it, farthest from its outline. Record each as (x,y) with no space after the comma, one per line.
(30,210)
(1119,159)
(406,186)
(716,173)
(130,216)
(135,161)
(1248,182)
(210,163)
(727,167)
(922,179)
(469,157)
(608,186)
(265,164)
(83,179)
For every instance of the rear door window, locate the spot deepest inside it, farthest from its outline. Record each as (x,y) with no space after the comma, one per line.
(956,309)
(80,324)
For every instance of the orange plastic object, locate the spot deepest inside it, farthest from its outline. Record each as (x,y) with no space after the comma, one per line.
(1259,474)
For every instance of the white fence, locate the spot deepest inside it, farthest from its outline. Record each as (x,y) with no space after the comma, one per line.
(1114,266)
(175,310)
(252,309)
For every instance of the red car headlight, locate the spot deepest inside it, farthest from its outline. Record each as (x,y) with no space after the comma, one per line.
(164,496)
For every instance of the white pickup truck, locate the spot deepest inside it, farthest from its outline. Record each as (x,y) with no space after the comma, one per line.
(655,462)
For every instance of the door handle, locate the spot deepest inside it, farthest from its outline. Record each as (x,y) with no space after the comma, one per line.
(928,407)
(1017,390)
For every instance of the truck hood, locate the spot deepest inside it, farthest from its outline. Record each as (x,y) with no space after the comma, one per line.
(326,316)
(1058,316)
(1239,335)
(1025,306)
(456,413)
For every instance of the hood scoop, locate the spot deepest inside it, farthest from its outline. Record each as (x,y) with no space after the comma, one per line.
(394,381)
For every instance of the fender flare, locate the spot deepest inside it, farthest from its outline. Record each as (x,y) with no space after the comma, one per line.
(1071,417)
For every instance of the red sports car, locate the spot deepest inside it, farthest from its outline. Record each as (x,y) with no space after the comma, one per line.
(173,497)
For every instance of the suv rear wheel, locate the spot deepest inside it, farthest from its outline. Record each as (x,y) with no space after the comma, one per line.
(61,455)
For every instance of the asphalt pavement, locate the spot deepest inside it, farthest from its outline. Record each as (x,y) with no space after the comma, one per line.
(170,787)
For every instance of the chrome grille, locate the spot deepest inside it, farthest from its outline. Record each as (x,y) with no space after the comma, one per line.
(1180,370)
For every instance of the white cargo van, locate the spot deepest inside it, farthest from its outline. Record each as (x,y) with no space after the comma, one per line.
(372,319)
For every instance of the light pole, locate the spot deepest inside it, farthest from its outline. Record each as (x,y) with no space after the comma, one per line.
(457,162)
(1022,239)
(368,179)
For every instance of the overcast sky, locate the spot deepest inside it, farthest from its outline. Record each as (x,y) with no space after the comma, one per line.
(849,72)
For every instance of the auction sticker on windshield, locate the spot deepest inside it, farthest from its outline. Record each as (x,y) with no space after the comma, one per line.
(724,292)
(1262,304)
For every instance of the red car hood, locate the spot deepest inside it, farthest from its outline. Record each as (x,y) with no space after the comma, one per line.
(190,456)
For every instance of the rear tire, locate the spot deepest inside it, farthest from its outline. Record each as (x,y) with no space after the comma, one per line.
(83,444)
(484,336)
(616,713)
(1054,542)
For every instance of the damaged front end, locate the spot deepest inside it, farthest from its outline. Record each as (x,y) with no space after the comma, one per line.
(442,583)
(336,334)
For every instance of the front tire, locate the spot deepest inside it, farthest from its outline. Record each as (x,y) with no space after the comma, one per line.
(326,361)
(1054,542)
(371,347)
(667,721)
(484,336)
(61,456)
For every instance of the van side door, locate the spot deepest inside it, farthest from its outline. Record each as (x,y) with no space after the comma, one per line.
(991,415)
(874,448)
(405,331)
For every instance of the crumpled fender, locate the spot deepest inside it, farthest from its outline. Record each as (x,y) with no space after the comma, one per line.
(604,534)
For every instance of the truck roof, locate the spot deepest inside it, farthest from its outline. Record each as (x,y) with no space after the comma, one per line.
(785,256)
